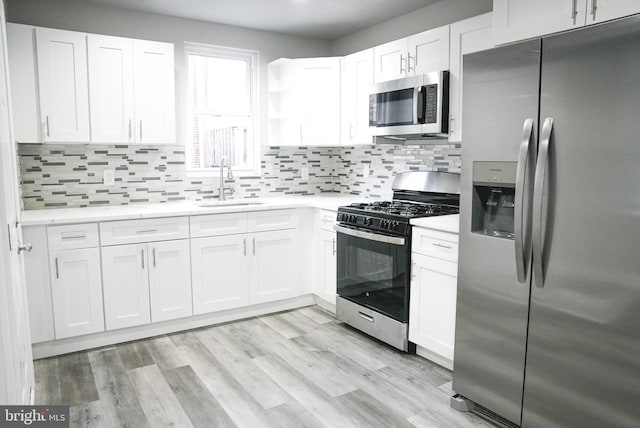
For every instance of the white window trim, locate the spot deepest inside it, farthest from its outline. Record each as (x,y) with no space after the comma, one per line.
(253,57)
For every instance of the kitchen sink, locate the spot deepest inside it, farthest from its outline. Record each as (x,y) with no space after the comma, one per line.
(232,203)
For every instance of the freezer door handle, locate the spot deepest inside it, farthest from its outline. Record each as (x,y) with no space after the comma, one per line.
(537,242)
(522,231)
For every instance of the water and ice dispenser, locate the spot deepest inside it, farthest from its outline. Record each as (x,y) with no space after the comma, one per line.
(493,199)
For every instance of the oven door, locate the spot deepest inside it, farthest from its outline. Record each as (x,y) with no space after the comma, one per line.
(373,271)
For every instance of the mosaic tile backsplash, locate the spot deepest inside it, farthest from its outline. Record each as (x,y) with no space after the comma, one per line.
(71,175)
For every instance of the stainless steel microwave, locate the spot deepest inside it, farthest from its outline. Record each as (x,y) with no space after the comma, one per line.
(415,107)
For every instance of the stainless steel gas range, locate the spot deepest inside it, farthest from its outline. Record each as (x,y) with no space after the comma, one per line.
(374,253)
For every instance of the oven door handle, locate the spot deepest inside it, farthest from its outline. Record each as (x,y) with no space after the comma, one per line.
(370,236)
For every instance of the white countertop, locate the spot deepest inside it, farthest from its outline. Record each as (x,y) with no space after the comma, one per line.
(444,223)
(173,209)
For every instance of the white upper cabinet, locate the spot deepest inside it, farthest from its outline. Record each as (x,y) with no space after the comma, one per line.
(605,10)
(72,87)
(21,47)
(428,51)
(391,60)
(63,85)
(304,102)
(471,35)
(111,88)
(357,78)
(523,19)
(154,92)
(418,54)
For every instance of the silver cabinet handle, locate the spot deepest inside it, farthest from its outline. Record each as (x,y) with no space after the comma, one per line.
(409,68)
(244,243)
(142,258)
(366,317)
(129,129)
(25,247)
(254,246)
(147,231)
(74,237)
(537,242)
(140,129)
(401,62)
(47,124)
(437,244)
(521,232)
(154,257)
(594,7)
(57,271)
(451,123)
(334,246)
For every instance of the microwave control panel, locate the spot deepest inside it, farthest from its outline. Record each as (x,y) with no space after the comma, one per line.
(431,102)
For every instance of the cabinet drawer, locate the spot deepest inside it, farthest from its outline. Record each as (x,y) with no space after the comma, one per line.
(272,220)
(218,224)
(150,230)
(326,220)
(434,243)
(72,236)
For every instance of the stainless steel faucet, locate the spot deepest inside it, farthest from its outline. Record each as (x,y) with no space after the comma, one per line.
(221,189)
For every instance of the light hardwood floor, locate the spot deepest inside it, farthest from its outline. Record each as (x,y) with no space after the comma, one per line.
(301,368)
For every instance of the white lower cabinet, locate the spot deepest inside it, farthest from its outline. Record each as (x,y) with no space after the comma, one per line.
(434,284)
(76,292)
(327,287)
(169,280)
(219,265)
(126,286)
(146,282)
(433,304)
(274,265)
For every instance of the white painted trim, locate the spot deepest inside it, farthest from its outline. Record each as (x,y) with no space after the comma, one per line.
(433,357)
(80,343)
(324,304)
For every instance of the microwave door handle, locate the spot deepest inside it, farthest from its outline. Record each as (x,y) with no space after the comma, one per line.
(537,241)
(418,108)
(521,232)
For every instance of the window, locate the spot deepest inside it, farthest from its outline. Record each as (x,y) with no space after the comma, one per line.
(221,112)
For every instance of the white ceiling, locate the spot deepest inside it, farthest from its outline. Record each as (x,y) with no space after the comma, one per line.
(326,19)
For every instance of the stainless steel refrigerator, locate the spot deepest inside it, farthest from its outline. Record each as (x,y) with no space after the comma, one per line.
(548,311)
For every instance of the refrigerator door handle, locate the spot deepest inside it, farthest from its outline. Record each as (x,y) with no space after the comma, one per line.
(537,242)
(521,231)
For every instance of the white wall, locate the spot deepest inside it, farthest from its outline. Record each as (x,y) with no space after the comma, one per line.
(80,15)
(432,16)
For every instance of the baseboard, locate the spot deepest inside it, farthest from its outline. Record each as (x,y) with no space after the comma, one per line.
(432,356)
(324,304)
(97,340)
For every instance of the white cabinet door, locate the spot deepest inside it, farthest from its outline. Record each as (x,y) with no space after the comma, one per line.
(126,285)
(274,265)
(154,92)
(22,65)
(77,292)
(169,280)
(219,267)
(471,35)
(523,19)
(428,51)
(605,10)
(328,286)
(111,88)
(318,92)
(37,279)
(390,60)
(357,79)
(63,85)
(432,308)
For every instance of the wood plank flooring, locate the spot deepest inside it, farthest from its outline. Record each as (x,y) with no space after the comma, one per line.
(300,368)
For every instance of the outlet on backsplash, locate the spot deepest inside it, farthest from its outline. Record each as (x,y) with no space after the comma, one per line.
(109,177)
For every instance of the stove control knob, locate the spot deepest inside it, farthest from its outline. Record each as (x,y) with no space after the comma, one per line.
(354,219)
(368,221)
(384,224)
(395,225)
